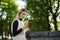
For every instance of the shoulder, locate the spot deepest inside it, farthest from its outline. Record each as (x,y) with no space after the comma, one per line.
(15,21)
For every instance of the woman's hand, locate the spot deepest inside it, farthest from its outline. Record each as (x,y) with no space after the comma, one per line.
(27,25)
(24,27)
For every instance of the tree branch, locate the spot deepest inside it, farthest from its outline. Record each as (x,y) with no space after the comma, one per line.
(50,7)
(57,8)
(58,14)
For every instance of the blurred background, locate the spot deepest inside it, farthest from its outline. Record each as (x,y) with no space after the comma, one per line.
(44,15)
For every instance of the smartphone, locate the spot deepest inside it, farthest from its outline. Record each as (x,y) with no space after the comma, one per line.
(29,25)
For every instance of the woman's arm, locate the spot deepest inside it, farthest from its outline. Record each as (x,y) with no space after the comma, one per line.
(15,26)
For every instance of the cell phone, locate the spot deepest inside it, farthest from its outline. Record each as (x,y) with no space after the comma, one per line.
(29,25)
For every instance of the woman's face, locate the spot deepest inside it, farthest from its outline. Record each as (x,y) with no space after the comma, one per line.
(22,15)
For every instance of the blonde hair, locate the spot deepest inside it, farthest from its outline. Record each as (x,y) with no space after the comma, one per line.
(19,12)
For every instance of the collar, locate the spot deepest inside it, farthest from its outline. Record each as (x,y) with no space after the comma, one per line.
(20,19)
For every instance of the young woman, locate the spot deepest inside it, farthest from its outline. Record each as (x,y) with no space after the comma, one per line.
(18,27)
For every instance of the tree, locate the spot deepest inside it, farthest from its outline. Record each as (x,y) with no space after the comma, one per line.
(42,9)
(51,7)
(54,14)
(38,15)
(9,10)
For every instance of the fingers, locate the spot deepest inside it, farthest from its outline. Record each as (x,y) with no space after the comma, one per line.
(27,25)
(24,27)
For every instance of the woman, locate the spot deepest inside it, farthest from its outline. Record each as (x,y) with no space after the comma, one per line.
(18,27)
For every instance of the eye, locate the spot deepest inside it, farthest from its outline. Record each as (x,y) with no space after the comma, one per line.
(24,14)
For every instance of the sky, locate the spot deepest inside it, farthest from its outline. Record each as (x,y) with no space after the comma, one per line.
(21,4)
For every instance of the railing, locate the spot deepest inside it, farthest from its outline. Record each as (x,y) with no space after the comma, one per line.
(43,35)
(46,35)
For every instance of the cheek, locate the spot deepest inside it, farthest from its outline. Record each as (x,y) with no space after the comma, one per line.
(21,15)
(24,15)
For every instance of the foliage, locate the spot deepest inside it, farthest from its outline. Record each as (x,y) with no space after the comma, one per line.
(8,12)
(40,10)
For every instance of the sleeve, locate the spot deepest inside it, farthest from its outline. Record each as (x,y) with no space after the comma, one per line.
(15,26)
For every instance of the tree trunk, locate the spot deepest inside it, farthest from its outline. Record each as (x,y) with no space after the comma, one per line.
(55,22)
(47,20)
(2,33)
(48,25)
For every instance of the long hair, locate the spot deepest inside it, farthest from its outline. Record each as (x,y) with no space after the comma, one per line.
(19,12)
